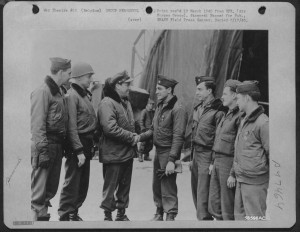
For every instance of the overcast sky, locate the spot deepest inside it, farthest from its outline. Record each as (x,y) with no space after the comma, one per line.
(107,51)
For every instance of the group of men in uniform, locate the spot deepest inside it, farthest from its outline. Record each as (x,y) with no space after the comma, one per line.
(230,146)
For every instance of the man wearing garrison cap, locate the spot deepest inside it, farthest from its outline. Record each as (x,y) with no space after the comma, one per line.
(168,130)
(251,158)
(48,128)
(222,182)
(81,128)
(206,117)
(116,146)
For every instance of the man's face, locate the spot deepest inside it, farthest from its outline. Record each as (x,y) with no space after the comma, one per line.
(241,101)
(202,92)
(65,75)
(162,92)
(228,97)
(150,106)
(86,80)
(123,89)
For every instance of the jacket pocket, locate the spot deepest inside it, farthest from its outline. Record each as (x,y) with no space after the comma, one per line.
(164,136)
(253,162)
(205,134)
(227,143)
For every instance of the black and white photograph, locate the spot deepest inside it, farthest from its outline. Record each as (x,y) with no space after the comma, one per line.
(116,120)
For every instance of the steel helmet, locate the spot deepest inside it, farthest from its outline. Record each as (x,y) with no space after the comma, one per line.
(80,69)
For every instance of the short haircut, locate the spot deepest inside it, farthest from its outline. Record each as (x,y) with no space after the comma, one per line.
(211,85)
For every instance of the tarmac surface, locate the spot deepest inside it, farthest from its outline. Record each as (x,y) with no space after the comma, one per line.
(141,205)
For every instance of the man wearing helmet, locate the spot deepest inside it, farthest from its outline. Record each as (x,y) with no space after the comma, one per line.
(81,128)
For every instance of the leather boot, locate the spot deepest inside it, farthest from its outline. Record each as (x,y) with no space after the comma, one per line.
(159,215)
(44,218)
(107,216)
(170,217)
(121,216)
(74,217)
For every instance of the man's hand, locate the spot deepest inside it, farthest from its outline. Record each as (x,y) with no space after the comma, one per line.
(81,159)
(135,140)
(170,168)
(231,182)
(211,166)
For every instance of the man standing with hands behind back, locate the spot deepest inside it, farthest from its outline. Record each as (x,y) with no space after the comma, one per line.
(116,145)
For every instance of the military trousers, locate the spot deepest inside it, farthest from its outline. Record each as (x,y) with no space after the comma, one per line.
(200,180)
(45,181)
(250,201)
(164,190)
(116,186)
(76,184)
(221,198)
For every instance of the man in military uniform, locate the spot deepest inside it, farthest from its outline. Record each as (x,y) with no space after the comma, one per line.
(116,146)
(222,182)
(81,128)
(251,158)
(48,128)
(206,117)
(145,122)
(168,130)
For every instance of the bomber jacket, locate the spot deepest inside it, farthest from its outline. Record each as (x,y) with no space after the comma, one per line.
(168,127)
(82,116)
(116,121)
(146,118)
(226,132)
(204,128)
(48,114)
(251,158)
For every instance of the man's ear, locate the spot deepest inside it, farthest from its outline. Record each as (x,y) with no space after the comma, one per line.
(169,90)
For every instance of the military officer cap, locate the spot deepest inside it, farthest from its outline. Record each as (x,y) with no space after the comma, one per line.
(200,79)
(120,78)
(232,84)
(166,82)
(58,63)
(81,69)
(248,87)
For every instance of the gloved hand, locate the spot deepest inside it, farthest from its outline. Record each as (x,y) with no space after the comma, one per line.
(44,160)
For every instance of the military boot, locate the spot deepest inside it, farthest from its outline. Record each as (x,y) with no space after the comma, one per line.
(121,216)
(107,216)
(170,217)
(159,215)
(74,217)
